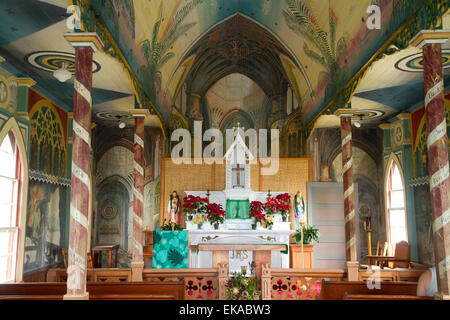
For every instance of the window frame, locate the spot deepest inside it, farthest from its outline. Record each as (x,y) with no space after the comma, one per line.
(393,161)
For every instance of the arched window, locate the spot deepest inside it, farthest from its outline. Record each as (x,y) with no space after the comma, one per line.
(9,224)
(395,201)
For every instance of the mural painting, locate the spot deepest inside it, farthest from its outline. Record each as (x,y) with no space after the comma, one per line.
(45,226)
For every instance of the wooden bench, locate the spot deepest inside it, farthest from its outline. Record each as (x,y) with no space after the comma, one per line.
(383,297)
(336,290)
(97,291)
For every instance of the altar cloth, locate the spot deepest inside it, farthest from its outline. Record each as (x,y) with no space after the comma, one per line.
(170,249)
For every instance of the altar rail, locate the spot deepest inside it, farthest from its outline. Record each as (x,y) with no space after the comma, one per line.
(97,291)
(295,284)
(199,284)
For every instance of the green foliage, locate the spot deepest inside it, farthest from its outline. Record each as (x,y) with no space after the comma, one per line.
(175,257)
(302,21)
(168,227)
(156,51)
(240,287)
(310,234)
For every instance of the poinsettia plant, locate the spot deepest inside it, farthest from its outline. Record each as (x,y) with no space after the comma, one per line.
(271,205)
(256,211)
(284,203)
(215,213)
(194,205)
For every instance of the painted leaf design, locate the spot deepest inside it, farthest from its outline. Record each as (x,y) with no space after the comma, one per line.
(156,237)
(175,257)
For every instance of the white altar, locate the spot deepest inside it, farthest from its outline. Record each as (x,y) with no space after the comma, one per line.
(237,234)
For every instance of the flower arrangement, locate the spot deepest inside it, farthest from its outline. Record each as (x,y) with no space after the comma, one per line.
(310,233)
(271,205)
(168,226)
(199,219)
(240,287)
(215,213)
(256,211)
(194,205)
(284,204)
(268,223)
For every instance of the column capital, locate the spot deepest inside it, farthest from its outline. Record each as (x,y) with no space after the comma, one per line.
(342,113)
(2,59)
(425,37)
(139,113)
(26,82)
(385,126)
(85,39)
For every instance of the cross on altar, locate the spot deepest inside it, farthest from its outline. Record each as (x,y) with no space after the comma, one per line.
(238,169)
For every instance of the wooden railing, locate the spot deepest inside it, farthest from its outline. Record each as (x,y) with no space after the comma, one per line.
(295,284)
(97,291)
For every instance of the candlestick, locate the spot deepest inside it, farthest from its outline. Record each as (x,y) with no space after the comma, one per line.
(368,228)
(301,240)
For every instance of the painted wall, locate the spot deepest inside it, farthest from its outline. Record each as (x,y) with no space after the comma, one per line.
(49,189)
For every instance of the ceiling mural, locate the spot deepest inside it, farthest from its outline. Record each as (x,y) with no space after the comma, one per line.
(319,48)
(326,41)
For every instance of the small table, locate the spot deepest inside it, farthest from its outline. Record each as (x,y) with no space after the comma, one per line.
(99,250)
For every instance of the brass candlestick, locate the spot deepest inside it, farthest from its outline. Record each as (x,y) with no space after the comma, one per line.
(368,228)
(301,242)
(207,194)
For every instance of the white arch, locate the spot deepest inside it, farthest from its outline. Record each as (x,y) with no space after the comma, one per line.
(11,125)
(393,159)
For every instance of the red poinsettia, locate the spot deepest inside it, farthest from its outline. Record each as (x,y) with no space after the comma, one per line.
(256,211)
(215,213)
(193,204)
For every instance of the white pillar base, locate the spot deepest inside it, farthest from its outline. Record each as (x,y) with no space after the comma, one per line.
(136,271)
(352,271)
(84,296)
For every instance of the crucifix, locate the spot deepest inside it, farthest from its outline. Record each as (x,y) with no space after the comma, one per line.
(238,169)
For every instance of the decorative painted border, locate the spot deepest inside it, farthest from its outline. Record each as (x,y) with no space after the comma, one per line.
(43,177)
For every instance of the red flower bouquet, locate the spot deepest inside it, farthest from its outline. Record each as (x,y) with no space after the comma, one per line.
(284,204)
(193,205)
(215,213)
(256,211)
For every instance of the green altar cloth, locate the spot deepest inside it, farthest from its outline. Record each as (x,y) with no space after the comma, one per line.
(170,249)
(238,209)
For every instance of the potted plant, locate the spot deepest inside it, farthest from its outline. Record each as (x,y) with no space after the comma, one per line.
(193,205)
(268,223)
(310,234)
(240,287)
(199,219)
(171,226)
(256,213)
(215,214)
(284,205)
(271,206)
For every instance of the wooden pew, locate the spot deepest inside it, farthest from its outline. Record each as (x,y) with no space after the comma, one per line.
(383,297)
(335,290)
(97,291)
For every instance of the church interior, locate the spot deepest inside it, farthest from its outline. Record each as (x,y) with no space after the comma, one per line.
(224,149)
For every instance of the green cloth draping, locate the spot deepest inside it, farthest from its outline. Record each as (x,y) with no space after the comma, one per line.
(238,209)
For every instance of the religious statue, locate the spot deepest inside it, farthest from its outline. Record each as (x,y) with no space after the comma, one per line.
(174,207)
(299,210)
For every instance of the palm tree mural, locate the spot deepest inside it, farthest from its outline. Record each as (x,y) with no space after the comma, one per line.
(325,49)
(157,49)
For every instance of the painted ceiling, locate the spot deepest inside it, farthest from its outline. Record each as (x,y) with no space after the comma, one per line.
(316,45)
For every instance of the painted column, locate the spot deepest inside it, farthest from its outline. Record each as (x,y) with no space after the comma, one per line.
(437,143)
(85,44)
(349,202)
(23,88)
(137,264)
